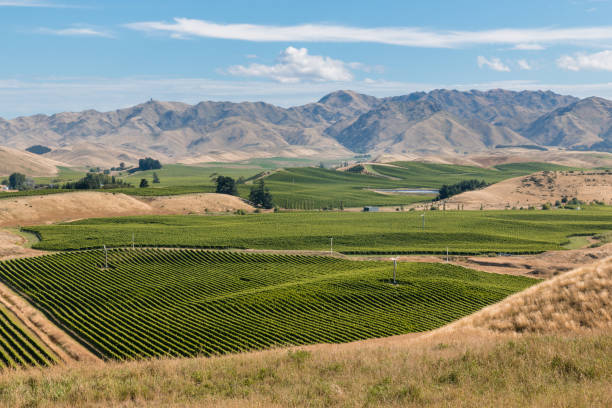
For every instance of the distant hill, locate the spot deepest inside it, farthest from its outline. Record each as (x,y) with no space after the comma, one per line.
(12,160)
(584,124)
(340,124)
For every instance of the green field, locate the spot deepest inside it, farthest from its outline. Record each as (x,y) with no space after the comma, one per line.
(463,232)
(313,188)
(431,175)
(17,346)
(309,188)
(151,303)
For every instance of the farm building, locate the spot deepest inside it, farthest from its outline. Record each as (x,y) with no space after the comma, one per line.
(369,208)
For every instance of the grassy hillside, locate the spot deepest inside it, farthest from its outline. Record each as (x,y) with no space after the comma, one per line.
(564,370)
(314,188)
(431,175)
(186,303)
(399,232)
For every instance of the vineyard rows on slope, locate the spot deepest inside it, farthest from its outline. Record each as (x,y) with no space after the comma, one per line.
(152,302)
(18,347)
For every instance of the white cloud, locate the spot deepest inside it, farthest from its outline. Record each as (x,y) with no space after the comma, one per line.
(597,61)
(523,64)
(528,47)
(75,31)
(295,65)
(405,36)
(493,63)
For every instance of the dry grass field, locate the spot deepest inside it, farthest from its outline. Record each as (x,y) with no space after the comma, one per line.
(46,209)
(538,189)
(547,346)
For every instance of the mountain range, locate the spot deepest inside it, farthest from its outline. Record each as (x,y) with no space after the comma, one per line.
(341,124)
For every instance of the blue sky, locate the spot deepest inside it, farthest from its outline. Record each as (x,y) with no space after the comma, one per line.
(60,55)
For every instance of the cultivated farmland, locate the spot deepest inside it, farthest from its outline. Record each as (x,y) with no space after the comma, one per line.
(18,347)
(463,232)
(151,303)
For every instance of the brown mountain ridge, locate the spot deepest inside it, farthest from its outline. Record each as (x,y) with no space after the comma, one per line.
(338,125)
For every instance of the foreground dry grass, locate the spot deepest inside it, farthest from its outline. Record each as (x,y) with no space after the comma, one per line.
(572,370)
(501,356)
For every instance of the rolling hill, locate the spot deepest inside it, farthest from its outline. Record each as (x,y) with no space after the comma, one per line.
(13,160)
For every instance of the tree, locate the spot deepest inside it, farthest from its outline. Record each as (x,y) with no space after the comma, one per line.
(144,183)
(149,164)
(122,165)
(17,181)
(226,185)
(260,195)
(155,178)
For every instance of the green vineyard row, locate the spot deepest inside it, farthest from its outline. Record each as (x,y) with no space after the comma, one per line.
(462,232)
(18,347)
(152,302)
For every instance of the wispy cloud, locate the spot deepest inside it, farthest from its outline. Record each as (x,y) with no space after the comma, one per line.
(76,31)
(29,3)
(528,47)
(296,65)
(601,61)
(404,36)
(494,63)
(523,64)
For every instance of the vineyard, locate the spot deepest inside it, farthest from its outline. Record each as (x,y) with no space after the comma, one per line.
(18,347)
(462,232)
(153,302)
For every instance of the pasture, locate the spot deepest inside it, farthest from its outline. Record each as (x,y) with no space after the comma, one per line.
(462,232)
(152,303)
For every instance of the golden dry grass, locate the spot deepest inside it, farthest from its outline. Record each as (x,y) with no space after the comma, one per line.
(571,370)
(34,210)
(576,300)
(537,189)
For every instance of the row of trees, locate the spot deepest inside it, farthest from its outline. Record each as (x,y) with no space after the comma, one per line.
(94,181)
(447,191)
(260,194)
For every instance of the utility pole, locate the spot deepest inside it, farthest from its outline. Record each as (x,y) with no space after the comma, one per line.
(394,270)
(423,216)
(446,254)
(331,245)
(132,240)
(105,258)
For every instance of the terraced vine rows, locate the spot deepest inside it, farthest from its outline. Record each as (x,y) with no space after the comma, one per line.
(153,302)
(17,347)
